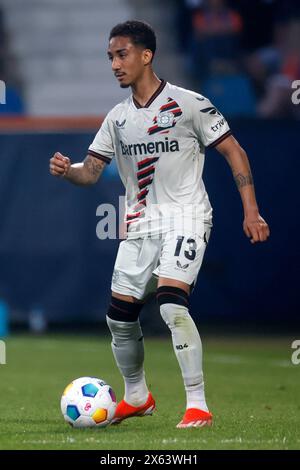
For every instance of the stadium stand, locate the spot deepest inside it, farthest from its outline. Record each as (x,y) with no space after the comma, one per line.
(61,46)
(61,49)
(11,102)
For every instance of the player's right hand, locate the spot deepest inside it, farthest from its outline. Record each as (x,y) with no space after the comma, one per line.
(59,164)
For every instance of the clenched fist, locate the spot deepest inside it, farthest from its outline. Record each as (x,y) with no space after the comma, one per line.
(256,228)
(59,165)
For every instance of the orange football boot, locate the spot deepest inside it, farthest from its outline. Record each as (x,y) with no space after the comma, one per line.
(194,418)
(124,410)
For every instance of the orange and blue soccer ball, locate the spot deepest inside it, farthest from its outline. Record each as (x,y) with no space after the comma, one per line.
(88,402)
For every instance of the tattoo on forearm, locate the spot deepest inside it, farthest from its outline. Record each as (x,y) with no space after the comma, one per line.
(243,180)
(94,166)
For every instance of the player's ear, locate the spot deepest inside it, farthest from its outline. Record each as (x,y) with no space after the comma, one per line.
(147,56)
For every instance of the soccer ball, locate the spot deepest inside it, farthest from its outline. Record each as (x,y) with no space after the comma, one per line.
(88,402)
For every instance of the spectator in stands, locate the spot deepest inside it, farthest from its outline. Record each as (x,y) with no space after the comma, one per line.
(276,67)
(263,30)
(258,22)
(216,31)
(184,15)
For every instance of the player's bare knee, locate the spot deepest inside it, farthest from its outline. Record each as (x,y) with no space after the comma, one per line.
(126,298)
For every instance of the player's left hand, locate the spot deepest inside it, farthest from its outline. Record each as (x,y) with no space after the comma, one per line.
(256,228)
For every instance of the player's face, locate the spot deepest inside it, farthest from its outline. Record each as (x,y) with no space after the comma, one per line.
(128,60)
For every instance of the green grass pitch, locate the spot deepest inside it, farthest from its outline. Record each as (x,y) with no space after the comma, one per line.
(252,388)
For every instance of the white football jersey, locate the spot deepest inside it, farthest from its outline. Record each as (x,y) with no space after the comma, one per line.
(159,150)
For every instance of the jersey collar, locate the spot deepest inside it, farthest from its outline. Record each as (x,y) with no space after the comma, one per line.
(152,98)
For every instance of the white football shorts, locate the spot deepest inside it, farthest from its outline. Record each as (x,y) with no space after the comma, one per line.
(174,256)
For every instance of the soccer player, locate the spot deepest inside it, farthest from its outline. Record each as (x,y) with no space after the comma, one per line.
(158,136)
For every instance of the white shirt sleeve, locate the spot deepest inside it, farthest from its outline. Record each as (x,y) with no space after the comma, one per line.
(102,146)
(209,124)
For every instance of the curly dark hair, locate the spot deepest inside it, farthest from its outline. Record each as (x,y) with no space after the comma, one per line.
(140,33)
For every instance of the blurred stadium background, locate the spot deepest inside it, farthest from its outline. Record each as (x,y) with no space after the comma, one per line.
(54,271)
